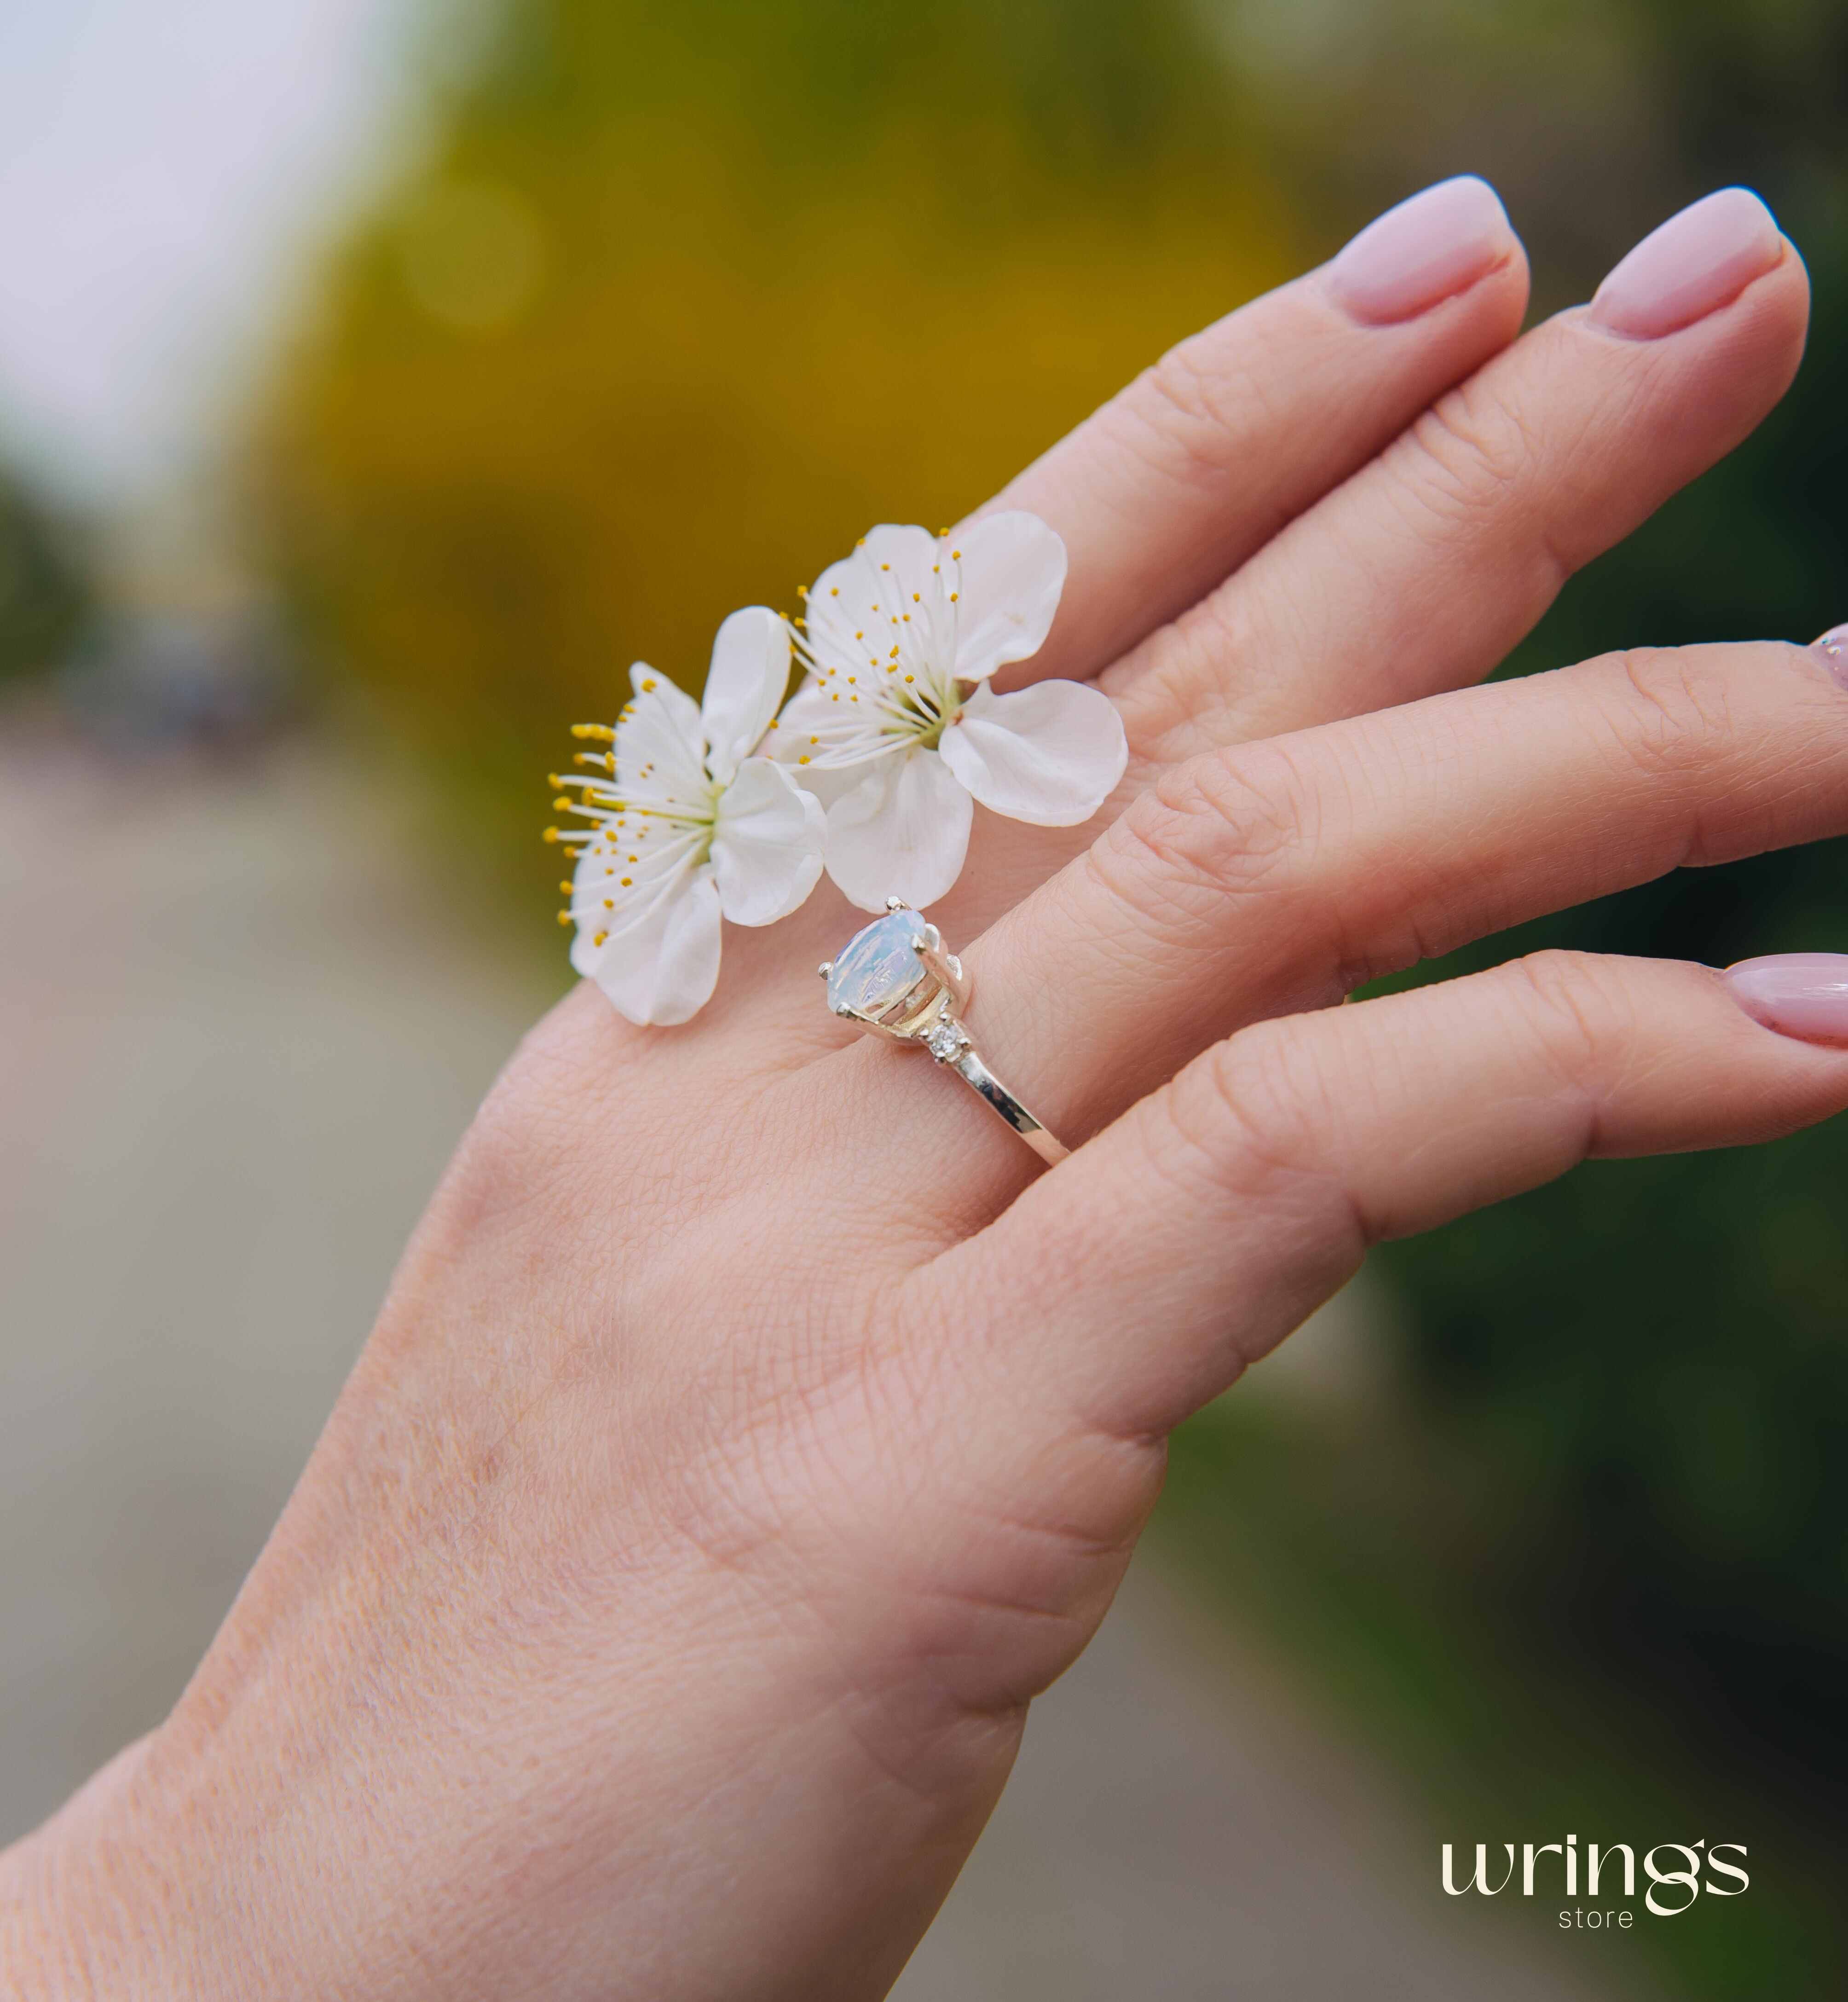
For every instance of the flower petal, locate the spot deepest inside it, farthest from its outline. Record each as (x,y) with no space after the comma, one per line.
(767,845)
(799,740)
(857,610)
(746,682)
(1051,754)
(1012,568)
(662,728)
(662,966)
(902,832)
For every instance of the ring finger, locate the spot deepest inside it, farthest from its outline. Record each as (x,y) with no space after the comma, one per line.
(1268,878)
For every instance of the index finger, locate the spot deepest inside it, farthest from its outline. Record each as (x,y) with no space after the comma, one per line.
(1202,459)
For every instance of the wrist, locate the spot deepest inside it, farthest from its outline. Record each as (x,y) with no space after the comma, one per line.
(95,1904)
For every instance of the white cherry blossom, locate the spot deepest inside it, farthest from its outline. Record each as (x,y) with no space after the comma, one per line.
(896,729)
(685,823)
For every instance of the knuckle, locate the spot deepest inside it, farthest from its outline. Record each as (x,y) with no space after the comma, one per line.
(1474,449)
(1675,707)
(1188,677)
(1474,442)
(1580,1012)
(1197,404)
(1257,1109)
(1231,823)
(1258,1118)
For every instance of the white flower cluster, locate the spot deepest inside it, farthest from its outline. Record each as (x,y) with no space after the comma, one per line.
(726,808)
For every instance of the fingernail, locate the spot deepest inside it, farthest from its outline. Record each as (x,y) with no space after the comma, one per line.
(1801,994)
(1833,647)
(1429,248)
(1698,262)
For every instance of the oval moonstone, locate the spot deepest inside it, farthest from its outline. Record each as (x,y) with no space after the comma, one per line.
(878,966)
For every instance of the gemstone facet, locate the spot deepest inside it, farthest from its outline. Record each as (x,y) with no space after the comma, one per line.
(946,1042)
(878,966)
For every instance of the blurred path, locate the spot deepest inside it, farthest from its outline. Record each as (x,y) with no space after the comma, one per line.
(1179,1829)
(239,1031)
(238,1039)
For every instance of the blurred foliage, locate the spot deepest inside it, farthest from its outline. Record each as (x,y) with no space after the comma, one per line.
(1631,1444)
(1352,1542)
(1646,1361)
(690,297)
(1594,118)
(1642,1369)
(45,590)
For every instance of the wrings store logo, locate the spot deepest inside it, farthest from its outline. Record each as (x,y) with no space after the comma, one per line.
(1694,1868)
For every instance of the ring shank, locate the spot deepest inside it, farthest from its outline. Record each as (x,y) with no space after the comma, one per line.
(1001,1102)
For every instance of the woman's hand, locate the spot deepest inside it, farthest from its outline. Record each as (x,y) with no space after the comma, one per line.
(754,1428)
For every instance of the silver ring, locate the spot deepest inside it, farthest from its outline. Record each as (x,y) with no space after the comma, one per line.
(894,979)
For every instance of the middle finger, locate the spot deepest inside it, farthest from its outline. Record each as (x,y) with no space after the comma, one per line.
(1271,877)
(1422,570)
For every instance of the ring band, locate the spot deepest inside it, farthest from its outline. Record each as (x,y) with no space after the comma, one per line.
(894,979)
(1001,1102)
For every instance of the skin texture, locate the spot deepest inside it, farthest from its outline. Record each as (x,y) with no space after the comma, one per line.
(753,1429)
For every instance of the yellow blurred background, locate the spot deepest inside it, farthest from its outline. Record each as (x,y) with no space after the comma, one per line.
(687,298)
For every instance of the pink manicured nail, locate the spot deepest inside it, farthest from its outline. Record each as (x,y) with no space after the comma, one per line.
(1429,248)
(1698,262)
(1833,647)
(1801,994)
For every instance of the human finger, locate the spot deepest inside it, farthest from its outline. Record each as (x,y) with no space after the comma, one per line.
(1422,571)
(1207,454)
(1276,876)
(1138,1278)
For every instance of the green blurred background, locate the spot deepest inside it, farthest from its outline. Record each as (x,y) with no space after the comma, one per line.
(673,303)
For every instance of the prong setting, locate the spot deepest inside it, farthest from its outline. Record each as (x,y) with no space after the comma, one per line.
(895,980)
(915,985)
